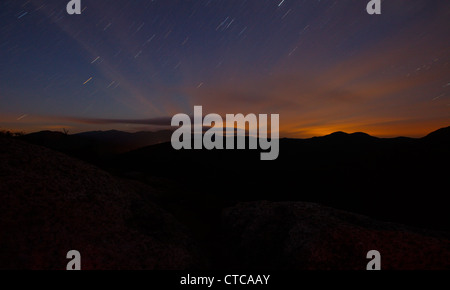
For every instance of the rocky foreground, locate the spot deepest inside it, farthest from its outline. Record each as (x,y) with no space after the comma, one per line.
(305,236)
(51,203)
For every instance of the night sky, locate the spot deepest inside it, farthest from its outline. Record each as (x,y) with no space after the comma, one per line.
(324,66)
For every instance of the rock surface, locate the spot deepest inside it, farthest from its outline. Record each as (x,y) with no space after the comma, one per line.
(306,236)
(51,204)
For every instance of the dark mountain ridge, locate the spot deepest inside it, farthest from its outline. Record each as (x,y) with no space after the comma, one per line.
(355,172)
(96,146)
(392,179)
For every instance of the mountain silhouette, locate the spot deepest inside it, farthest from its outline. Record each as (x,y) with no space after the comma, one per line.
(128,141)
(392,179)
(95,146)
(345,137)
(440,136)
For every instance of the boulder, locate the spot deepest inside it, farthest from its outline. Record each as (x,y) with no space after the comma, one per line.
(305,236)
(51,204)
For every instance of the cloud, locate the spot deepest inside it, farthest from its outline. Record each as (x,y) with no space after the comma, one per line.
(162,121)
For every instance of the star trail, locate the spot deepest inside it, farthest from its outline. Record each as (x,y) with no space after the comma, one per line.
(324,66)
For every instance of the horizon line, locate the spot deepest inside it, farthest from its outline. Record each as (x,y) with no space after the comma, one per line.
(169,129)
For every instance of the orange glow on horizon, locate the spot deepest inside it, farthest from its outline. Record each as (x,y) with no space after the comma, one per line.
(290,128)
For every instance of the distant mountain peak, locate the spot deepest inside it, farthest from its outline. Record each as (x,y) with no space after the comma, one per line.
(344,136)
(338,133)
(441,135)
